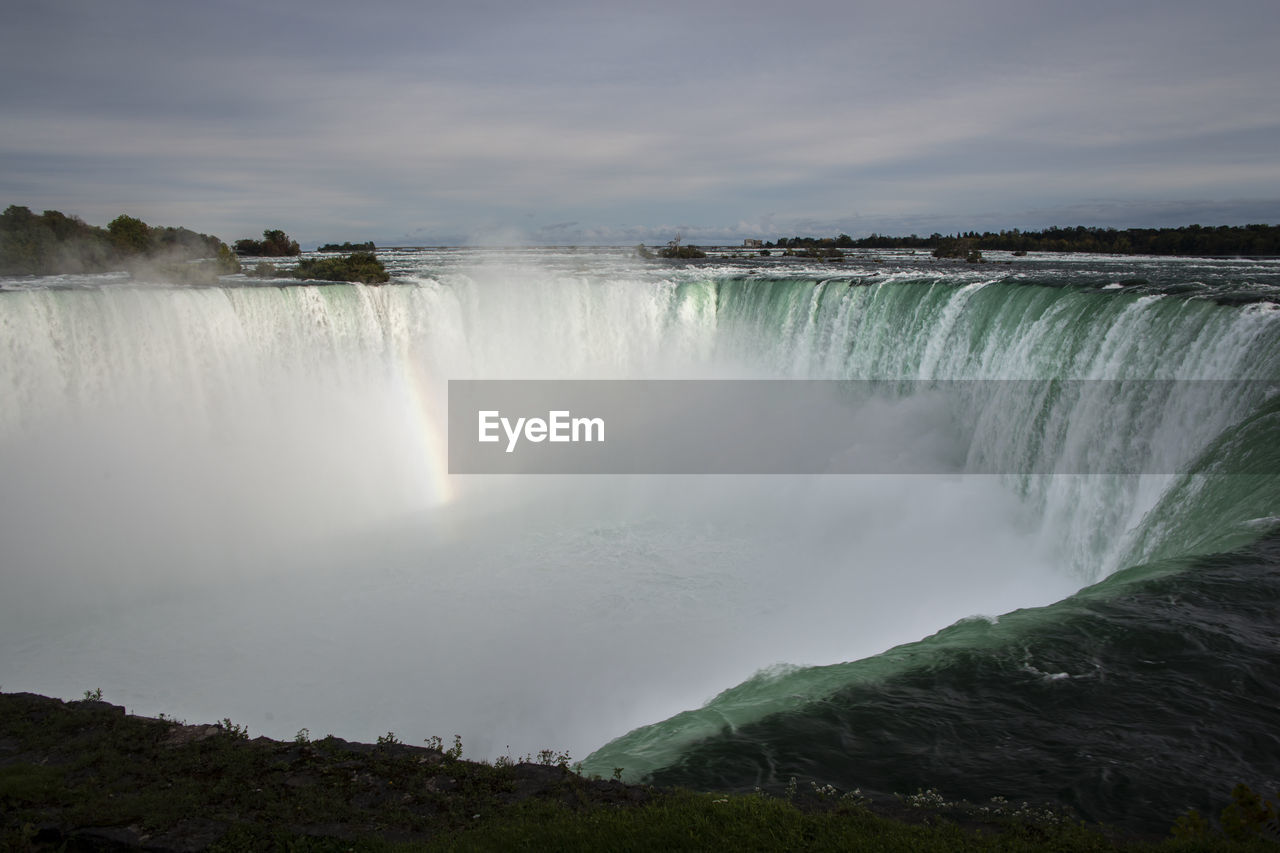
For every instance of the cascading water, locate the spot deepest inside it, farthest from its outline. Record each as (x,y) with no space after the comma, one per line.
(234,501)
(937,328)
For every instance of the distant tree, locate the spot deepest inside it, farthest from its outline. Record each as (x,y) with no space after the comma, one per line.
(56,243)
(348,247)
(228,263)
(277,244)
(129,235)
(274,244)
(22,241)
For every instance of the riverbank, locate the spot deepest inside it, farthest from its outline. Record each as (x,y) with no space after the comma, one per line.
(85,775)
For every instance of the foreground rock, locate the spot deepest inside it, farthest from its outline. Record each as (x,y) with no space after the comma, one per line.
(89,776)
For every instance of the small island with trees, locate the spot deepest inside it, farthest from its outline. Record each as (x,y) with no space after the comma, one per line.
(348,247)
(363,267)
(52,243)
(672,251)
(274,244)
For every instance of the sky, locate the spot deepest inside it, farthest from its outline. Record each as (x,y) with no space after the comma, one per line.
(494,121)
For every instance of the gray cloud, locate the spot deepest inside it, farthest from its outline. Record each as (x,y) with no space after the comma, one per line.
(393,119)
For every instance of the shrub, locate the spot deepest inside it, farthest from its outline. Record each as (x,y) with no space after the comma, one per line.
(358,266)
(274,244)
(1249,816)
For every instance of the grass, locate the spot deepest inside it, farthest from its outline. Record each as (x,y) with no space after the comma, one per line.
(84,775)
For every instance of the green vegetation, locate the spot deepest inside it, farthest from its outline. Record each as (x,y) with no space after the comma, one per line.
(363,267)
(52,243)
(274,244)
(348,247)
(949,247)
(675,251)
(358,266)
(1223,240)
(84,775)
(129,235)
(1248,818)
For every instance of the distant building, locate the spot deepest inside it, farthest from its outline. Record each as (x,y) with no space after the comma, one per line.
(752,244)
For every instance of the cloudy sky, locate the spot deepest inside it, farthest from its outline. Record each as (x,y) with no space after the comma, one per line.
(597,122)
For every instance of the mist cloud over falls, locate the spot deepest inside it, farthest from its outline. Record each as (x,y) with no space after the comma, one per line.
(225,503)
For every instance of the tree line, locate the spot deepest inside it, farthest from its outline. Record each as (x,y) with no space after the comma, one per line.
(1221,240)
(348,247)
(52,243)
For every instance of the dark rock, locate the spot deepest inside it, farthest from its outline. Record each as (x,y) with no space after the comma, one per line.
(183,735)
(97,705)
